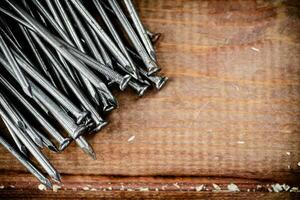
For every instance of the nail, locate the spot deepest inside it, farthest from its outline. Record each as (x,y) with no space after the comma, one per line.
(153,36)
(89,42)
(47,143)
(106,57)
(158,81)
(140,29)
(36,53)
(53,108)
(49,18)
(87,84)
(58,44)
(117,38)
(86,147)
(19,120)
(13,64)
(149,63)
(33,149)
(60,115)
(26,163)
(110,75)
(62,99)
(79,94)
(101,33)
(20,146)
(138,87)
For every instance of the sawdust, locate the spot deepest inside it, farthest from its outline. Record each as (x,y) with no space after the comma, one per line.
(42,187)
(131,138)
(199,188)
(216,187)
(233,187)
(55,188)
(276,187)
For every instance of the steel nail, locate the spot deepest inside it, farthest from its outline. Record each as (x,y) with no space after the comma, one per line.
(32,148)
(63,142)
(12,62)
(60,115)
(117,39)
(60,46)
(101,33)
(47,143)
(87,84)
(26,163)
(86,147)
(153,36)
(53,108)
(149,63)
(53,23)
(19,144)
(85,102)
(140,29)
(64,101)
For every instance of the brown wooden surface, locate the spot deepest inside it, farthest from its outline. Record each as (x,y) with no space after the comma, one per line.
(230,111)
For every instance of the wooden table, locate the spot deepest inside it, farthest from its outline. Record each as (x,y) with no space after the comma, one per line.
(229,114)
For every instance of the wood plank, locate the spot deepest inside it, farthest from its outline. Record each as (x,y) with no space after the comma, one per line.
(21,185)
(231,108)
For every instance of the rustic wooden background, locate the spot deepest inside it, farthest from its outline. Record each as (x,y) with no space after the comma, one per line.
(230,112)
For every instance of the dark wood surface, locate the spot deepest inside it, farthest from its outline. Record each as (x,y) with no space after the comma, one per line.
(230,113)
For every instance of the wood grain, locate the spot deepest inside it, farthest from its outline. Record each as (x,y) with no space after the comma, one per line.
(231,108)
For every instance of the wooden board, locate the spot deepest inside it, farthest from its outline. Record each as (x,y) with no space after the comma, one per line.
(230,111)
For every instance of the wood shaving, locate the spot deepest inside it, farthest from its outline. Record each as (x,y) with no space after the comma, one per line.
(298,164)
(294,189)
(86,188)
(93,189)
(42,187)
(233,187)
(131,138)
(288,153)
(255,49)
(276,187)
(286,187)
(2,187)
(122,188)
(199,188)
(258,186)
(241,142)
(216,187)
(270,190)
(144,189)
(130,190)
(176,185)
(55,188)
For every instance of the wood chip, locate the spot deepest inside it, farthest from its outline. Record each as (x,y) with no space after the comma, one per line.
(42,187)
(255,49)
(131,138)
(216,187)
(199,188)
(233,187)
(144,189)
(276,187)
(55,188)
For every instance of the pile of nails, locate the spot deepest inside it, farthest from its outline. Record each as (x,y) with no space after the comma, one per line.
(60,61)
